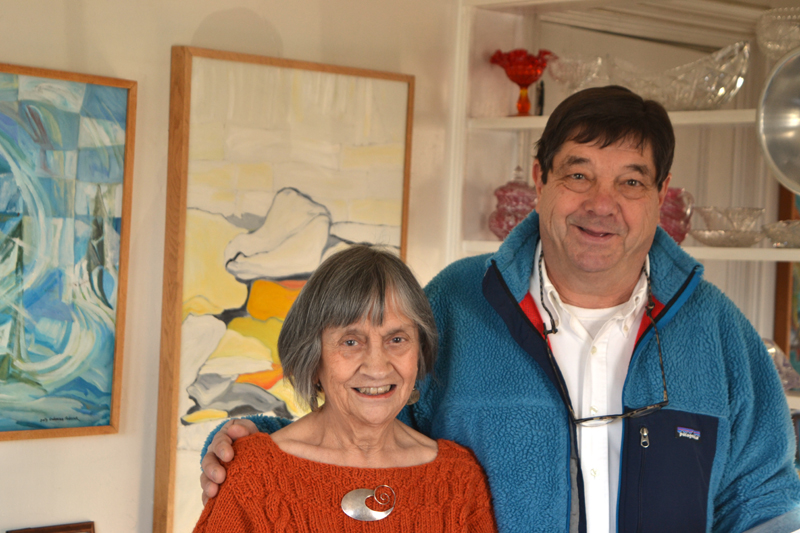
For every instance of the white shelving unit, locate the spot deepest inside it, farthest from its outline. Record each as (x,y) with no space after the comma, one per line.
(727,22)
(704,23)
(717,157)
(700,23)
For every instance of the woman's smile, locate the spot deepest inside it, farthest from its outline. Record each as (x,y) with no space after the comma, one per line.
(375,392)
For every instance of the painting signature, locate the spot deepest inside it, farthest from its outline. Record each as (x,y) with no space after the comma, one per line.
(58,419)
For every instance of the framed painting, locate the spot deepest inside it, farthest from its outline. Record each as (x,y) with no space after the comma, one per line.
(787,289)
(66,165)
(83,527)
(274,165)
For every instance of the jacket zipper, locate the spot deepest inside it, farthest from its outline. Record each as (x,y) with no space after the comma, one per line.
(644,442)
(645,437)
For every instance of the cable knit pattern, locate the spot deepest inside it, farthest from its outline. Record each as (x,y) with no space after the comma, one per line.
(269,490)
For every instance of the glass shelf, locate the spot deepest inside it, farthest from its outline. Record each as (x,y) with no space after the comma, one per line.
(793,397)
(532,6)
(708,253)
(732,117)
(711,253)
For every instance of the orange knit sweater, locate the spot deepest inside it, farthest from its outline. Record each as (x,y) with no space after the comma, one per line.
(269,490)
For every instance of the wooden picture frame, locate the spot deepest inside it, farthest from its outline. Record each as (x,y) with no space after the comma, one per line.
(83,527)
(66,171)
(787,314)
(273,165)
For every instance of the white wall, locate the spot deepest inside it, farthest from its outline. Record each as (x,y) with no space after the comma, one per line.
(109,479)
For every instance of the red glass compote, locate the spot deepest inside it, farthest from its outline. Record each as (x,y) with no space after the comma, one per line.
(523,69)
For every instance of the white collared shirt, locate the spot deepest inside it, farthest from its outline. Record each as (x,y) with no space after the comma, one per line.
(593,348)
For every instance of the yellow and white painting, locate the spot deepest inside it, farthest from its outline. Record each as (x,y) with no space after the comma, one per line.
(286,166)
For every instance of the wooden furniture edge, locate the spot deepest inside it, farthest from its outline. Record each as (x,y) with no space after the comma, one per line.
(783,280)
(407,171)
(174,240)
(124,257)
(67,76)
(295,63)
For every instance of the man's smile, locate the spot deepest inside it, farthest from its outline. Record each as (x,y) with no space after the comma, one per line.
(594,233)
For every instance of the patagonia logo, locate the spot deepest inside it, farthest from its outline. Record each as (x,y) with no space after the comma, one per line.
(687,433)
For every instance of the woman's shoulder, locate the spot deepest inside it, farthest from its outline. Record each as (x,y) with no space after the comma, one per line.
(454,449)
(254,442)
(253,453)
(460,455)
(465,478)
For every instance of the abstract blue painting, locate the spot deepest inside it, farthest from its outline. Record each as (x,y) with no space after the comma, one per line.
(63,203)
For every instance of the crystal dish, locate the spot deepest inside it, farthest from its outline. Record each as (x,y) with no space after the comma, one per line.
(579,72)
(778,31)
(740,219)
(727,238)
(784,234)
(707,83)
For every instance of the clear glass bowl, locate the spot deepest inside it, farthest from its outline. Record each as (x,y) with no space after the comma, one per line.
(579,72)
(728,238)
(730,218)
(784,233)
(707,83)
(778,31)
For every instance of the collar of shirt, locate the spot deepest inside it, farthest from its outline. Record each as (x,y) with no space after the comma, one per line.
(627,312)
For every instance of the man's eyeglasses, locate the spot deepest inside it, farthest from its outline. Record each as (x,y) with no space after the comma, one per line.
(594,421)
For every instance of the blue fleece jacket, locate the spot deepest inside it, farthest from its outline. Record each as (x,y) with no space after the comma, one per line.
(718,458)
(494,391)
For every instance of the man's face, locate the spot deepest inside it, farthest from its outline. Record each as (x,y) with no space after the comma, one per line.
(599,210)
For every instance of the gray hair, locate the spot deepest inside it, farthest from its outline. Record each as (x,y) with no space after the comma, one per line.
(349,286)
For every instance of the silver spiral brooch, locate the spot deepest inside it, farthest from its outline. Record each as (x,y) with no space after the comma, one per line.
(354,503)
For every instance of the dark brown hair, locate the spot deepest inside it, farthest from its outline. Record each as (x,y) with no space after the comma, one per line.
(607,115)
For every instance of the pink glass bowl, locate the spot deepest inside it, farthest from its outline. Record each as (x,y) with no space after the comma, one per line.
(515,200)
(676,213)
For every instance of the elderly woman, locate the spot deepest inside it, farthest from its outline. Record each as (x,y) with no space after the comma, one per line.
(359,335)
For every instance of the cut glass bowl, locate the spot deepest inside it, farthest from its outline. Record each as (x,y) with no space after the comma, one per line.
(728,238)
(579,72)
(730,218)
(707,83)
(778,31)
(729,226)
(784,233)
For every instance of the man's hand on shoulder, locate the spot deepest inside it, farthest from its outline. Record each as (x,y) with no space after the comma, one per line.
(221,451)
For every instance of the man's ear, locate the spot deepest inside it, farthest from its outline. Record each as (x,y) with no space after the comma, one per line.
(537,177)
(662,194)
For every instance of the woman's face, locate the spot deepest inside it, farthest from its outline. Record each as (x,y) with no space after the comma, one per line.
(368,371)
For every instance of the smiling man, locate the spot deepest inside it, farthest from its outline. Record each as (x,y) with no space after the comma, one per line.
(597,218)
(601,382)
